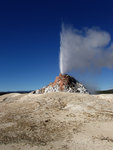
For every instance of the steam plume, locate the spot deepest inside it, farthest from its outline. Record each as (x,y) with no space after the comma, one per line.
(85,49)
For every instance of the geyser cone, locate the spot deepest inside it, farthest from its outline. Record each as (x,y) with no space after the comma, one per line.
(63,83)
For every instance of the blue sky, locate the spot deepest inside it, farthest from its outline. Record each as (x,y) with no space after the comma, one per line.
(30,39)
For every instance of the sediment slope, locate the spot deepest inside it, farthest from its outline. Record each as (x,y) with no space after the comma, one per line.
(56,121)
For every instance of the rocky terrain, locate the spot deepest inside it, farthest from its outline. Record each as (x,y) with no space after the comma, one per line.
(56,121)
(63,83)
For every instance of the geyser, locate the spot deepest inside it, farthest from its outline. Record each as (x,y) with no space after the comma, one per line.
(85,49)
(63,83)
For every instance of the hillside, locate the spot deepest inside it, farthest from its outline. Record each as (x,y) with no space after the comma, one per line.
(56,121)
(9,92)
(105,92)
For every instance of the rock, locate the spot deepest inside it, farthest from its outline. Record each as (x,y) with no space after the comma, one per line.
(63,83)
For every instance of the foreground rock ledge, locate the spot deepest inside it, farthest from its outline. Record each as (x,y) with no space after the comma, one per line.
(56,121)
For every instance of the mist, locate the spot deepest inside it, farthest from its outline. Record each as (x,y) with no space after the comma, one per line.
(88,49)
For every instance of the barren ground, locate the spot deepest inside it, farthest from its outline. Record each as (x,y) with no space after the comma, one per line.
(56,121)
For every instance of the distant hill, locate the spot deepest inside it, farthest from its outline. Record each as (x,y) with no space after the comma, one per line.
(21,92)
(24,92)
(105,92)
